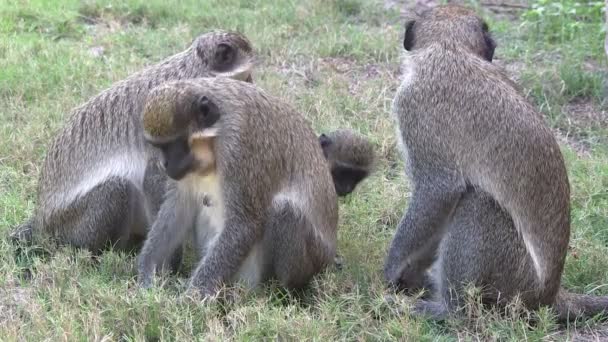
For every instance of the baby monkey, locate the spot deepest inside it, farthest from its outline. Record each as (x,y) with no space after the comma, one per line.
(350,156)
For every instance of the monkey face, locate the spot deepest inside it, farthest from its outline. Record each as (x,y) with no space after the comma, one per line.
(349,157)
(177,159)
(188,125)
(346,178)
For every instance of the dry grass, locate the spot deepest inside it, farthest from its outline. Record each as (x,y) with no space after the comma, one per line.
(337,61)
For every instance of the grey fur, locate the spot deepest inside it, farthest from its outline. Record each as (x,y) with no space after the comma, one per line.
(277,192)
(90,191)
(491,192)
(351,158)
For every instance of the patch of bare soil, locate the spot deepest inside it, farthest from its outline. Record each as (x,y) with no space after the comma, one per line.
(513,69)
(505,9)
(584,113)
(307,72)
(359,73)
(407,8)
(12,301)
(587,334)
(580,116)
(582,148)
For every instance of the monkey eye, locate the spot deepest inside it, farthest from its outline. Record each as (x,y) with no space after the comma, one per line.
(224,56)
(324,140)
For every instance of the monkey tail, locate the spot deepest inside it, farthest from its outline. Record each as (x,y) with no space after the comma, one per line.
(23,233)
(570,305)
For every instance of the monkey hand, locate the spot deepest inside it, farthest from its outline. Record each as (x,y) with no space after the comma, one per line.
(434,310)
(145,273)
(406,278)
(202,292)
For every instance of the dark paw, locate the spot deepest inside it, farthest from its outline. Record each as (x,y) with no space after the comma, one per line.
(21,234)
(144,281)
(338,262)
(409,281)
(434,310)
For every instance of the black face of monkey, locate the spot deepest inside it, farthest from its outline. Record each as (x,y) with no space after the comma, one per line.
(178,159)
(346,177)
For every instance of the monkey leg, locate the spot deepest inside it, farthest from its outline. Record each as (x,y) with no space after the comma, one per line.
(421,229)
(23,233)
(155,187)
(295,249)
(112,213)
(481,248)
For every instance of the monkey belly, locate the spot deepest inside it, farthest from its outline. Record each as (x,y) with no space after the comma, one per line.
(210,224)
(208,194)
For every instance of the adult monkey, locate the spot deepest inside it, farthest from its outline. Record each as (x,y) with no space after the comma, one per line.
(491,193)
(90,191)
(249,178)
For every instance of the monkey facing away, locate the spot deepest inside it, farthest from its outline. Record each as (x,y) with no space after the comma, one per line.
(90,191)
(267,209)
(351,158)
(491,196)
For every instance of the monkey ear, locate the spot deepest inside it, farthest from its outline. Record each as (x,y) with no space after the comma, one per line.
(490,47)
(490,44)
(224,57)
(408,39)
(207,113)
(324,140)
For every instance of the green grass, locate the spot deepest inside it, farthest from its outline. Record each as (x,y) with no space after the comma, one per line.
(337,61)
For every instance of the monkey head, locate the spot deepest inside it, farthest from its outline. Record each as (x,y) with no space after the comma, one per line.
(182,125)
(226,54)
(350,156)
(452,26)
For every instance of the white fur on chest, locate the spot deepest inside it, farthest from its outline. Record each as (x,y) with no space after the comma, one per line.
(207,193)
(210,222)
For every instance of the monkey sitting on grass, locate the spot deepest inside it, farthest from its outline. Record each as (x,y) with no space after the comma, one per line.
(98,186)
(491,197)
(273,209)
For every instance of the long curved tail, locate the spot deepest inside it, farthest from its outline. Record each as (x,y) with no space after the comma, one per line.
(570,306)
(23,233)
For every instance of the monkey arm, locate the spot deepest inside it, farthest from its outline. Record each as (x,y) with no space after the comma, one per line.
(175,218)
(242,230)
(421,229)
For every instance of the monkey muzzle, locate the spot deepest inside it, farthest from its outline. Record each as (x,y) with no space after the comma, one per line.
(178,159)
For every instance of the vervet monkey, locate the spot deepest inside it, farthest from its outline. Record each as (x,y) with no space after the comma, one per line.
(351,158)
(267,209)
(90,191)
(491,195)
